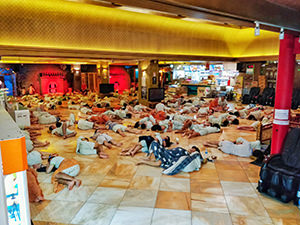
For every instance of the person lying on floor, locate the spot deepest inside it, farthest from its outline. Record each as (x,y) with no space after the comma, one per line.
(266,120)
(86,125)
(201,130)
(174,160)
(105,139)
(144,143)
(65,172)
(119,128)
(61,130)
(240,147)
(188,109)
(86,110)
(86,147)
(204,111)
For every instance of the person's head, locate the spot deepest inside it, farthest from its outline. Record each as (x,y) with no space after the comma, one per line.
(98,105)
(31,85)
(59,103)
(167,117)
(41,100)
(216,125)
(223,98)
(136,125)
(235,122)
(51,128)
(237,114)
(58,124)
(125,105)
(251,117)
(156,127)
(211,111)
(57,119)
(143,126)
(129,115)
(225,123)
(52,107)
(107,105)
(194,149)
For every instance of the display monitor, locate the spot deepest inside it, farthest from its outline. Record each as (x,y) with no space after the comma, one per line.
(156,94)
(106,88)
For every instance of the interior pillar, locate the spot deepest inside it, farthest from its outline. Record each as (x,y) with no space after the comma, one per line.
(76,69)
(148,78)
(284,92)
(103,73)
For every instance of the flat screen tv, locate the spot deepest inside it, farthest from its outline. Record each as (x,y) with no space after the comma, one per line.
(106,88)
(156,94)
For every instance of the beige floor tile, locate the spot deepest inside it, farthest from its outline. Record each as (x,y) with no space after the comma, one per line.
(238,189)
(247,206)
(285,221)
(233,175)
(208,203)
(205,174)
(111,196)
(206,187)
(145,183)
(133,216)
(173,200)
(143,170)
(169,216)
(36,222)
(210,218)
(47,189)
(59,211)
(115,183)
(174,184)
(36,208)
(251,220)
(94,214)
(78,194)
(278,209)
(91,180)
(139,198)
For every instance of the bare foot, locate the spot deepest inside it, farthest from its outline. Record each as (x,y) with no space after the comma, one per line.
(71,184)
(103,156)
(78,183)
(119,144)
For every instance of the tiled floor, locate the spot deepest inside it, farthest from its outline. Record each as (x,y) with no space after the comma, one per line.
(117,192)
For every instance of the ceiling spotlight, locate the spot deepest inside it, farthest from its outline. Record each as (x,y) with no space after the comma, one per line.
(281,35)
(257,29)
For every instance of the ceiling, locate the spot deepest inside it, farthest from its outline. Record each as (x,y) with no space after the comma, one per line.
(274,13)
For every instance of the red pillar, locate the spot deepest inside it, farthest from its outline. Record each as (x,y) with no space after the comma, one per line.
(284,92)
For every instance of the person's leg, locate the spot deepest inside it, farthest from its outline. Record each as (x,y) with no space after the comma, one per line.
(38,144)
(213,144)
(100,151)
(193,134)
(132,131)
(108,145)
(69,183)
(115,143)
(149,163)
(249,128)
(65,177)
(137,148)
(121,133)
(70,135)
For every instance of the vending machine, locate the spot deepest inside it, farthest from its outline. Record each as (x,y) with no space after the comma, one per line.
(14,202)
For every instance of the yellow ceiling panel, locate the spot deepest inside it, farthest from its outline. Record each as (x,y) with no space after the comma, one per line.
(72,25)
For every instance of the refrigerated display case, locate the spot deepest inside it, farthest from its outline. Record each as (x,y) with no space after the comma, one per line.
(14,207)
